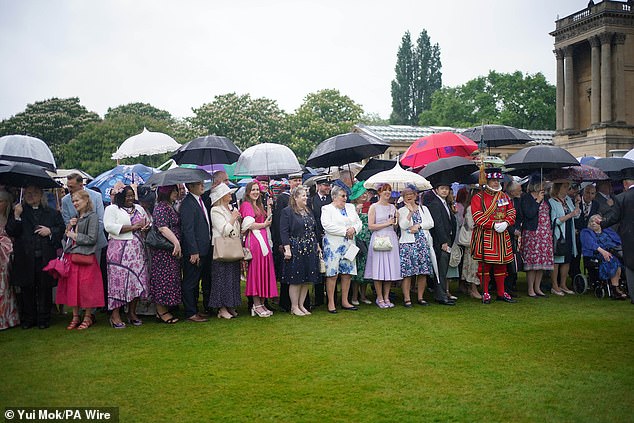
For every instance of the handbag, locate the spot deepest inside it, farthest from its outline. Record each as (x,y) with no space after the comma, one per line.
(322,263)
(156,240)
(351,252)
(228,249)
(382,243)
(455,257)
(82,259)
(246,250)
(560,247)
(464,237)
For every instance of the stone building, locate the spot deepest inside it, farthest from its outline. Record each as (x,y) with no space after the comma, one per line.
(594,49)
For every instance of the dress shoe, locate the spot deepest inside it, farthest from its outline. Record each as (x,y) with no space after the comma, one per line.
(26,325)
(43,325)
(533,296)
(354,302)
(353,308)
(332,311)
(486,298)
(422,303)
(446,302)
(196,318)
(541,295)
(506,298)
(560,293)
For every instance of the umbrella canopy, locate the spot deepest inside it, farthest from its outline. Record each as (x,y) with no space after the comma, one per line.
(267,159)
(18,174)
(449,169)
(629,155)
(211,149)
(127,174)
(374,166)
(25,149)
(497,135)
(584,160)
(436,146)
(614,167)
(146,143)
(541,157)
(177,175)
(58,268)
(583,173)
(346,148)
(398,178)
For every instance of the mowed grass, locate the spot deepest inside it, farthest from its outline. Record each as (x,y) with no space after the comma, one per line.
(567,359)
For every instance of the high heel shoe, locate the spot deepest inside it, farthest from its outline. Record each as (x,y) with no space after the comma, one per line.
(225,316)
(259,311)
(135,322)
(169,321)
(119,325)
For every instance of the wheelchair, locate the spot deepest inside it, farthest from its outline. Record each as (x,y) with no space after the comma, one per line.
(582,283)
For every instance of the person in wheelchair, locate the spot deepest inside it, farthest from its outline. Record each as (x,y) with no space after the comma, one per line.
(603,244)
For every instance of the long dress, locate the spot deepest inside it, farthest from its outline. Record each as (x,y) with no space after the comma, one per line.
(9,316)
(384,265)
(225,276)
(415,256)
(537,246)
(165,271)
(362,256)
(127,268)
(261,280)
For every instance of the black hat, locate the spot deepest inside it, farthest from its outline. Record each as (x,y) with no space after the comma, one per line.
(440,182)
(325,180)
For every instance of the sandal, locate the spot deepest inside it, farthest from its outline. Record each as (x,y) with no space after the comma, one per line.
(169,321)
(407,304)
(89,320)
(422,302)
(73,323)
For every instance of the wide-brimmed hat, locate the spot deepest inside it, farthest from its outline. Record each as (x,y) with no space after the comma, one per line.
(220,191)
(357,191)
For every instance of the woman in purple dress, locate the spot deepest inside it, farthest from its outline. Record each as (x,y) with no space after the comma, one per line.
(383,263)
(165,273)
(261,282)
(127,262)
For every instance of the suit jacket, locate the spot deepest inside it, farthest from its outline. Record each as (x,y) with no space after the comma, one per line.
(281,202)
(623,213)
(316,204)
(603,203)
(582,221)
(26,242)
(444,230)
(195,231)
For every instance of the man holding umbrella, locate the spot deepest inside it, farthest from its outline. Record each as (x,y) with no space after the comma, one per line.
(493,213)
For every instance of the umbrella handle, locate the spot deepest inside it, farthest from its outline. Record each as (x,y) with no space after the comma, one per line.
(21,195)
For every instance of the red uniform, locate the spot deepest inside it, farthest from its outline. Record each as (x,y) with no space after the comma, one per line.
(492,249)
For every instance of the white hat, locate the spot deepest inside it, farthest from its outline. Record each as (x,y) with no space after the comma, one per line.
(220,191)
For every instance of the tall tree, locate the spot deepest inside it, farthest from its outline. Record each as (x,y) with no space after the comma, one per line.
(418,76)
(244,120)
(322,115)
(523,101)
(55,121)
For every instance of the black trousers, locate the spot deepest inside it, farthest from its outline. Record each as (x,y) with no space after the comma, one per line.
(440,288)
(37,299)
(192,277)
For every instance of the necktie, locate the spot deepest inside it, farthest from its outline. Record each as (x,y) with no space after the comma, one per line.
(202,206)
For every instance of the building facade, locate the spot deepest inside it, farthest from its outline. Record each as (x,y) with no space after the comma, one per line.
(594,49)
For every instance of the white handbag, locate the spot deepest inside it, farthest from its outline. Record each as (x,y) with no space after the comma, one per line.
(382,243)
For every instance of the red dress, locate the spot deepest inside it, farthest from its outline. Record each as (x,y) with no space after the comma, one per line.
(489,207)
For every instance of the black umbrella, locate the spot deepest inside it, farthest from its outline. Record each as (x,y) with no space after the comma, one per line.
(18,174)
(177,175)
(211,149)
(496,135)
(541,157)
(374,166)
(449,169)
(346,148)
(615,167)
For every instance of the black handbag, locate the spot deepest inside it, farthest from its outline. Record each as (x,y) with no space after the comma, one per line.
(560,247)
(157,241)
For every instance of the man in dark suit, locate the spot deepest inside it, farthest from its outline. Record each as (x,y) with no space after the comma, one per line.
(196,246)
(443,233)
(589,207)
(281,202)
(320,199)
(623,213)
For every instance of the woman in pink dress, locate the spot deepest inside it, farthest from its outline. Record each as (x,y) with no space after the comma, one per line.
(8,305)
(261,282)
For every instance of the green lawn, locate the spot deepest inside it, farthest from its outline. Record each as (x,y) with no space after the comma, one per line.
(566,359)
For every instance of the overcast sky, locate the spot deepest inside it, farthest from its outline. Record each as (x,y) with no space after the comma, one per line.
(179,54)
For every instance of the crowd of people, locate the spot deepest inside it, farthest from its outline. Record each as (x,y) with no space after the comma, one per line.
(163,250)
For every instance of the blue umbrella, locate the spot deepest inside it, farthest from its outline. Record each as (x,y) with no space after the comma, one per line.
(128,174)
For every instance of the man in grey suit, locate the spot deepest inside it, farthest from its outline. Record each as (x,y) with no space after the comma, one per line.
(196,246)
(622,213)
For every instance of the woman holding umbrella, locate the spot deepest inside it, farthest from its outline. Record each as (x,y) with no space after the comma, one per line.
(37,232)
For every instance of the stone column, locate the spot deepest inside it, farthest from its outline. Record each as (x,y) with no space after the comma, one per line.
(606,76)
(619,77)
(559,54)
(569,87)
(595,93)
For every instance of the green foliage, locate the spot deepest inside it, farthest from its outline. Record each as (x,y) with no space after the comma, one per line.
(523,101)
(322,115)
(244,120)
(139,109)
(373,119)
(55,121)
(418,76)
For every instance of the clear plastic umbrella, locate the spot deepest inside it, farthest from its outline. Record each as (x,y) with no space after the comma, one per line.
(25,149)
(267,159)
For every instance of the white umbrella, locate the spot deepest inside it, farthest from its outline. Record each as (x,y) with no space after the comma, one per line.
(267,159)
(146,143)
(398,178)
(630,154)
(25,149)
